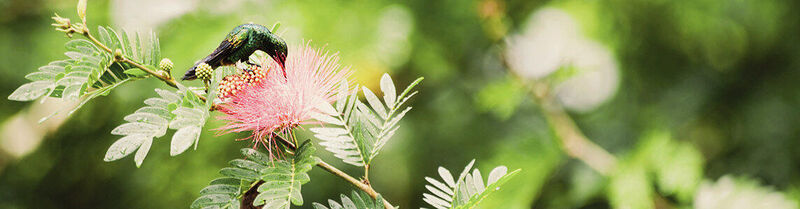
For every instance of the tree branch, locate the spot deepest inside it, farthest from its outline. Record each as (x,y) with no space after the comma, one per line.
(167,78)
(333,170)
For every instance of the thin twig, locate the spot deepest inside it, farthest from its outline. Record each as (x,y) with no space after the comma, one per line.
(574,143)
(336,172)
(572,139)
(171,82)
(163,77)
(355,182)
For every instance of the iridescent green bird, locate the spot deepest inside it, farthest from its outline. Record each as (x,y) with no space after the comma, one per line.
(240,43)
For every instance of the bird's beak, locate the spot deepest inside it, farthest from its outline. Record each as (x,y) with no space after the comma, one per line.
(282,63)
(283,68)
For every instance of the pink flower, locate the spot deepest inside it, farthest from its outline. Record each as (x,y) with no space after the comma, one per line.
(277,104)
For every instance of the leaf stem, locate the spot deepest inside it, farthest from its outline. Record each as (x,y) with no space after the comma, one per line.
(573,142)
(366,174)
(163,77)
(355,182)
(336,172)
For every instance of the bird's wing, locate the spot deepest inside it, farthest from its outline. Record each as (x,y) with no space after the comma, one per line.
(232,43)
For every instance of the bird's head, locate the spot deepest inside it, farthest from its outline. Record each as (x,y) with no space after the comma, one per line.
(278,52)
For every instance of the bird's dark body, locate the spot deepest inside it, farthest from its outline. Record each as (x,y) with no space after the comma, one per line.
(239,44)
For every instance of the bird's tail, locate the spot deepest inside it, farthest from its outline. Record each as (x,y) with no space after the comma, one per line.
(190,74)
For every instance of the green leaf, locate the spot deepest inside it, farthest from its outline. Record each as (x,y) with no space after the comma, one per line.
(275,27)
(388,89)
(676,166)
(491,188)
(248,165)
(219,189)
(221,193)
(31,91)
(136,72)
(142,152)
(357,200)
(71,78)
(356,132)
(468,190)
(105,37)
(374,102)
(183,139)
(282,182)
(125,146)
(218,200)
(189,123)
(82,10)
(239,173)
(137,50)
(147,123)
(40,76)
(629,186)
(155,50)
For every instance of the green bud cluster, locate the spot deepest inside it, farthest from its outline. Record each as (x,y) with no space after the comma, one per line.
(165,65)
(203,71)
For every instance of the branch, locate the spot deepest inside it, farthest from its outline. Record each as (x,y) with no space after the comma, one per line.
(574,143)
(572,139)
(167,78)
(247,200)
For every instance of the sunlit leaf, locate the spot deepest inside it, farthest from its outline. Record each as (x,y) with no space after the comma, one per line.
(31,91)
(279,180)
(468,190)
(355,132)
(357,200)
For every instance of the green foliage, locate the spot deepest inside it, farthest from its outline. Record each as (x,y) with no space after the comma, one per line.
(357,132)
(466,191)
(146,51)
(501,97)
(69,78)
(282,180)
(190,116)
(180,110)
(630,187)
(676,166)
(89,72)
(357,200)
(221,193)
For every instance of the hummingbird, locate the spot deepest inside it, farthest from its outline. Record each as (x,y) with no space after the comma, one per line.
(239,44)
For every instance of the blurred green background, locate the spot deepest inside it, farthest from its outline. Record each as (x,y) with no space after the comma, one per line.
(681,92)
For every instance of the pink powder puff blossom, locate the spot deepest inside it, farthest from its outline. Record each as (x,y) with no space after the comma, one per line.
(277,104)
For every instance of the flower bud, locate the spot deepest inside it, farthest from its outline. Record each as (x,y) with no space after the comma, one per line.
(165,65)
(61,24)
(118,54)
(203,71)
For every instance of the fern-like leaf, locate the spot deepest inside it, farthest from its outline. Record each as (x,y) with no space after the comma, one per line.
(89,72)
(357,200)
(467,190)
(338,137)
(146,123)
(282,180)
(64,78)
(180,110)
(356,132)
(220,193)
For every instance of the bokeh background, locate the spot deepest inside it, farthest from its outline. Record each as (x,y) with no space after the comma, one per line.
(697,99)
